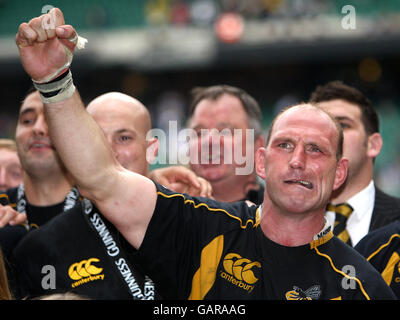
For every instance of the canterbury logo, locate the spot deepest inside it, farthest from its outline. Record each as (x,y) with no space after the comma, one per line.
(239,271)
(83,269)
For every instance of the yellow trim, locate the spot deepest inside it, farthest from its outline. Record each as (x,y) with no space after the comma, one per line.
(387,273)
(383,246)
(318,242)
(204,278)
(342,273)
(202,204)
(33,225)
(344,236)
(3,195)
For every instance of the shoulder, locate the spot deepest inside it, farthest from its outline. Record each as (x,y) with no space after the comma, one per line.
(386,209)
(380,240)
(384,200)
(352,265)
(342,255)
(241,211)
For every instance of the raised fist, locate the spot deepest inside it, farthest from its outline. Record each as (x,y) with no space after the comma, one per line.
(46,45)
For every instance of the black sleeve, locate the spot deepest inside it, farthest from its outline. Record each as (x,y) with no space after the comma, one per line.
(380,242)
(180,228)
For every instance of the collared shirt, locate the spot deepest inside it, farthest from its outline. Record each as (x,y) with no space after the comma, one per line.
(359,221)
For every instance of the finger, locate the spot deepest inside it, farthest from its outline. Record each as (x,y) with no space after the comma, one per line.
(64,32)
(206,189)
(57,17)
(25,36)
(48,26)
(68,36)
(21,218)
(163,181)
(37,26)
(191,178)
(8,215)
(179,187)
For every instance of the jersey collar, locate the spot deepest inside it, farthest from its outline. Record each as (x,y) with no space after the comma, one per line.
(323,236)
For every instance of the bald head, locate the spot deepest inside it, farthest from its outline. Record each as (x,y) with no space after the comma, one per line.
(119,102)
(125,122)
(303,107)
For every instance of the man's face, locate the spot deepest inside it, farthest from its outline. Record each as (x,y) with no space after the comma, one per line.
(226,113)
(125,130)
(300,162)
(355,142)
(35,150)
(10,169)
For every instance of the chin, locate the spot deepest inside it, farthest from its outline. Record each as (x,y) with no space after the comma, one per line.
(211,174)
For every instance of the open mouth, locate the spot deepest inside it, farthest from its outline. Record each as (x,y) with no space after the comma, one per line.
(303,183)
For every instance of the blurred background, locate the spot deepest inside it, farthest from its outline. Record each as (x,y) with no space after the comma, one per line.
(277,50)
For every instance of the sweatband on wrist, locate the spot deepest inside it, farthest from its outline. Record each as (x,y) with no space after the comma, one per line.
(57,90)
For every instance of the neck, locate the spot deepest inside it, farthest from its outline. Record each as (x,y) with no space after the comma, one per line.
(48,190)
(231,190)
(352,186)
(293,229)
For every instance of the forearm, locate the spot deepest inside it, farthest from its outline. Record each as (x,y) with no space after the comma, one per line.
(81,144)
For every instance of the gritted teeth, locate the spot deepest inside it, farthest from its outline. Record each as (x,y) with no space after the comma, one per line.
(304,183)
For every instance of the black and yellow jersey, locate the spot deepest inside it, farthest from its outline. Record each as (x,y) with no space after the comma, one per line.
(382,249)
(83,255)
(197,248)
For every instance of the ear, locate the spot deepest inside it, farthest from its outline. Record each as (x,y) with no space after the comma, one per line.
(260,162)
(341,173)
(375,143)
(259,142)
(152,149)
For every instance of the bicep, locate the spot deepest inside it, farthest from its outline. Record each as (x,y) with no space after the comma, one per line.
(129,205)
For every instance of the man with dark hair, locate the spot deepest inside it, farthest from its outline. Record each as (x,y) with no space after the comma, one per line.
(227,121)
(199,248)
(358,206)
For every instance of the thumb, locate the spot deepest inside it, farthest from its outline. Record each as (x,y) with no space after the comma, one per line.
(67,36)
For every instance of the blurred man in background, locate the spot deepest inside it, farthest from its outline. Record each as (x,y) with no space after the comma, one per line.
(229,109)
(358,207)
(10,167)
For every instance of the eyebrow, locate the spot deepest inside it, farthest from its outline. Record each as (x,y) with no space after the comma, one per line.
(119,131)
(312,142)
(340,118)
(27,110)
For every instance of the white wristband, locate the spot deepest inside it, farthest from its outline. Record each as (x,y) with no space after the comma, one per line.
(56,91)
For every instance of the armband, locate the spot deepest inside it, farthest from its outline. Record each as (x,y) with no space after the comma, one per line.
(57,90)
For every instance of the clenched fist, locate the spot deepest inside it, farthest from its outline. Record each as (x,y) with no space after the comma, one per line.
(46,45)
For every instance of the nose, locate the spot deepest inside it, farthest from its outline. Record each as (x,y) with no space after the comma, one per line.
(298,158)
(40,128)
